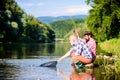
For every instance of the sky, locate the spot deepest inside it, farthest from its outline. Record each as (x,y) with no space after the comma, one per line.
(54,8)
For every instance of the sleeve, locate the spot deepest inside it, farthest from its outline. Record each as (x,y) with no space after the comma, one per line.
(93,47)
(77,49)
(72,49)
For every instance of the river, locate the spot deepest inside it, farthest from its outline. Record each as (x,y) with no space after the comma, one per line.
(22,62)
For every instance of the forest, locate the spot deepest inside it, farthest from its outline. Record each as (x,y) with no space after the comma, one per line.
(103,21)
(64,28)
(17,26)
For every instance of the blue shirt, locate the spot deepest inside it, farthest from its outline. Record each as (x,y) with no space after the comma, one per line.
(81,48)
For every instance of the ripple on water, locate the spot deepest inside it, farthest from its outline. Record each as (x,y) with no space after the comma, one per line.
(29,69)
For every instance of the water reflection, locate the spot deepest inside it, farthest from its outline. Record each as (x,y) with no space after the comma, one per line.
(22,51)
(29,69)
(22,62)
(85,74)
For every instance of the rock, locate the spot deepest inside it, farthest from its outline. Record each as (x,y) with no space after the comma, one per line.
(91,65)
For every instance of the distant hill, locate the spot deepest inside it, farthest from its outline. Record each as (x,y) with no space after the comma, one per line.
(49,19)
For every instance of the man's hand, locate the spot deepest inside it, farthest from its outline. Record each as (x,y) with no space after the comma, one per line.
(60,60)
(75,30)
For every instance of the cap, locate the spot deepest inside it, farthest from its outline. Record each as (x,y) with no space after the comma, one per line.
(88,33)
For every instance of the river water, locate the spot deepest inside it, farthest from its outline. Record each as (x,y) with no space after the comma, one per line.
(22,62)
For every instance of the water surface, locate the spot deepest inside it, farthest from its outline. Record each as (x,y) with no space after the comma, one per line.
(22,62)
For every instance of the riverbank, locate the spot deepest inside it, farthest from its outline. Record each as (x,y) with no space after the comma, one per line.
(109,47)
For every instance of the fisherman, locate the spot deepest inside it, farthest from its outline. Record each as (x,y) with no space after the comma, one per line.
(79,52)
(89,40)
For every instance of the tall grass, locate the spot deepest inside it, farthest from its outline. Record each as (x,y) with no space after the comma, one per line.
(111,64)
(110,47)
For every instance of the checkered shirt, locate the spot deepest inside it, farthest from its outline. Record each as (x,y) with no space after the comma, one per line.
(81,49)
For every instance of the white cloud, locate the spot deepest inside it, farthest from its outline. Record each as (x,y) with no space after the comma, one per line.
(31,4)
(40,9)
(28,5)
(82,9)
(40,4)
(73,10)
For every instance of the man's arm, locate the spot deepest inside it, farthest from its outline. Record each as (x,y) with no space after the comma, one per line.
(77,34)
(64,56)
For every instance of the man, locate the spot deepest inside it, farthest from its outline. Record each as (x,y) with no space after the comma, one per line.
(79,51)
(89,41)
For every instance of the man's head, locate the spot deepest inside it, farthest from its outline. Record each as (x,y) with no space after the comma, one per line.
(73,39)
(87,35)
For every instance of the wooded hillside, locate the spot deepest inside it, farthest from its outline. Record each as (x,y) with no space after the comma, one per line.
(65,27)
(17,26)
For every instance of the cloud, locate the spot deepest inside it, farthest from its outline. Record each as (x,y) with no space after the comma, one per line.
(75,9)
(62,11)
(31,4)
(44,9)
(82,9)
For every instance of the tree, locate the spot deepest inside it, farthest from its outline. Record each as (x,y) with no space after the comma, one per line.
(17,26)
(36,30)
(63,27)
(104,19)
(10,20)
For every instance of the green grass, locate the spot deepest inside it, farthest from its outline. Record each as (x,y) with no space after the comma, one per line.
(110,64)
(109,47)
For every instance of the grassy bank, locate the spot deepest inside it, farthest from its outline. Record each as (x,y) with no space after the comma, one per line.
(110,47)
(110,58)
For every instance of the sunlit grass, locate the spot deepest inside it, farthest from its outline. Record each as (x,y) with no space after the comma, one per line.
(109,56)
(111,46)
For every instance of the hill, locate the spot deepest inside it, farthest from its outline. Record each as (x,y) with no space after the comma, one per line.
(64,28)
(49,19)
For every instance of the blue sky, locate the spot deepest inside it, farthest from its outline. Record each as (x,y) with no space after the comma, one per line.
(54,7)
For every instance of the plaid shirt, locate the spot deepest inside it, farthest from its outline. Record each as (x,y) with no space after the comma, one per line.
(81,49)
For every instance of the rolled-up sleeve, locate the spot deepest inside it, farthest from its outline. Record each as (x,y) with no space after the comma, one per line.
(77,49)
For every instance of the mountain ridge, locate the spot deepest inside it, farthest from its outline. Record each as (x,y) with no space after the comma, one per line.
(50,19)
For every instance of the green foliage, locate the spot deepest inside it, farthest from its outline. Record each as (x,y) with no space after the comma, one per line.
(36,30)
(10,20)
(104,19)
(26,39)
(110,47)
(17,25)
(82,27)
(117,66)
(65,27)
(14,25)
